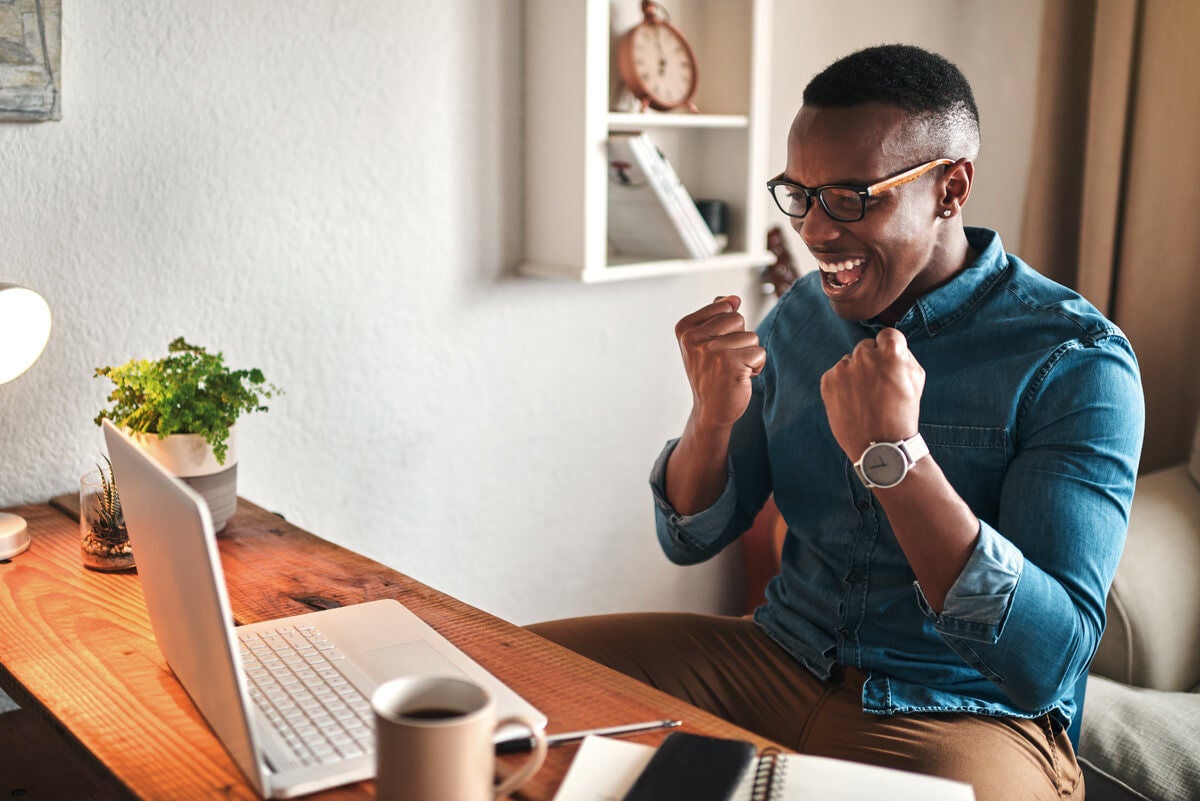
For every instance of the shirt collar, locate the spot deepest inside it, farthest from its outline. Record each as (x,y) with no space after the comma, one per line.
(956,298)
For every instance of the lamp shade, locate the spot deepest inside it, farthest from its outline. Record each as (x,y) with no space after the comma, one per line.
(24,329)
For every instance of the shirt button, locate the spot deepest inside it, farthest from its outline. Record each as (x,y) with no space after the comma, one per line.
(863,505)
(853,577)
(845,632)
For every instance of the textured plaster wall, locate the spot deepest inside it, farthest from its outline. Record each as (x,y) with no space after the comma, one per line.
(331,191)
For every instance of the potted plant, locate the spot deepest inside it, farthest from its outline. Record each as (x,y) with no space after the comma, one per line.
(182,408)
(105,541)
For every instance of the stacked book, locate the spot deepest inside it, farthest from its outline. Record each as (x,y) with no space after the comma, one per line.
(650,213)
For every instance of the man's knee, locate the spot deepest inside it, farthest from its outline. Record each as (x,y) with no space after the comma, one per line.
(623,642)
(664,650)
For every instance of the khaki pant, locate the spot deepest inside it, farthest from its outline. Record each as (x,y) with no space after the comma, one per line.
(727,666)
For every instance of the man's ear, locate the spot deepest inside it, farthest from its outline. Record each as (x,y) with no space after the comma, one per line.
(956,186)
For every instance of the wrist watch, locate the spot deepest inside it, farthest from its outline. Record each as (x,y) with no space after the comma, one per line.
(885,464)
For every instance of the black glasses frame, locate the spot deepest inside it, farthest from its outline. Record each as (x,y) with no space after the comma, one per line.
(863,192)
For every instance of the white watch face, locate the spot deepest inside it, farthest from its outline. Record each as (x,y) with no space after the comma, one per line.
(663,63)
(884,464)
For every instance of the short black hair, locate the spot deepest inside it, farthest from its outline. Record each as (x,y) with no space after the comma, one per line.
(924,84)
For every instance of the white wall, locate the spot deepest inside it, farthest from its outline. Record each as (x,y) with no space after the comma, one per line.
(331,191)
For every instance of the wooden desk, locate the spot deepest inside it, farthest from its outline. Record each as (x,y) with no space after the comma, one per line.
(76,645)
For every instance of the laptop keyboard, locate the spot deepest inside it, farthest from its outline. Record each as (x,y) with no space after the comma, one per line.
(295,684)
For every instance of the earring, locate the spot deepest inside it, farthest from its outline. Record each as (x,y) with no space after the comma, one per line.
(947,213)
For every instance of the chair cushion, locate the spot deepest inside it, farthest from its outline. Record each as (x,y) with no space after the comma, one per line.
(1144,740)
(1153,634)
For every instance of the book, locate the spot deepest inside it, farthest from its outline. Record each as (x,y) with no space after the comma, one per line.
(639,224)
(675,196)
(650,213)
(606,769)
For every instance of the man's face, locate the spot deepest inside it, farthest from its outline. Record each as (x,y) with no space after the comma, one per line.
(891,256)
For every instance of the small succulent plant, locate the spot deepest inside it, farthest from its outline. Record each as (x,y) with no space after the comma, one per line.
(109,523)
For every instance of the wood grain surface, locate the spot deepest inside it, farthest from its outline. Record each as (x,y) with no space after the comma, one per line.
(77,646)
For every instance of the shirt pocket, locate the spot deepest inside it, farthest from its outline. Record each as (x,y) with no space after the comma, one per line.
(974,459)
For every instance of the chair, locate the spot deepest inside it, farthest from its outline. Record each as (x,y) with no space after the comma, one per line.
(761,549)
(1140,739)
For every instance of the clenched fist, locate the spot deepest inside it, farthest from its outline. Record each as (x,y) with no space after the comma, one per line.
(720,357)
(874,393)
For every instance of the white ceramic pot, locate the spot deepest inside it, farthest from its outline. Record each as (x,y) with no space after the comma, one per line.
(191,459)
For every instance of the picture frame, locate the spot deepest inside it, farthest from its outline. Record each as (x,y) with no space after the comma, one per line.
(30,60)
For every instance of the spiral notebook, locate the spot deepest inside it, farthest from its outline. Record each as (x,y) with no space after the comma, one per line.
(605,769)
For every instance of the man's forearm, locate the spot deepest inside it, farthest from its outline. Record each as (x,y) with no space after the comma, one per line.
(934,527)
(697,470)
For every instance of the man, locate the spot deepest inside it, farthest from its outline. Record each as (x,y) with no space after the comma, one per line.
(951,437)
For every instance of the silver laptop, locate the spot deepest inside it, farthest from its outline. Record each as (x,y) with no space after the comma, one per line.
(288,698)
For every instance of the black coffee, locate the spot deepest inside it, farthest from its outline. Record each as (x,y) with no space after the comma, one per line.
(432,713)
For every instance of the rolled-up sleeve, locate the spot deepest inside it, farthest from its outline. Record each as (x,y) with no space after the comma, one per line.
(979,601)
(688,539)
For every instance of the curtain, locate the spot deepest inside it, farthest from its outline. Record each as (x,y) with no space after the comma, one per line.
(1113,207)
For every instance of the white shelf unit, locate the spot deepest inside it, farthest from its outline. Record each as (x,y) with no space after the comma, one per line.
(570,82)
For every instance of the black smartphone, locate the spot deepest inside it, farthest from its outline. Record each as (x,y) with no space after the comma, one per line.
(691,767)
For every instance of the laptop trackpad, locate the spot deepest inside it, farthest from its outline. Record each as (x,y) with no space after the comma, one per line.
(416,658)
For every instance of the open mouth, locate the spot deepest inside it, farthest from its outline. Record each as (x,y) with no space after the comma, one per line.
(842,274)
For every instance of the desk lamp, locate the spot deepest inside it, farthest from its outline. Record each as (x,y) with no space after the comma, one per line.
(24,330)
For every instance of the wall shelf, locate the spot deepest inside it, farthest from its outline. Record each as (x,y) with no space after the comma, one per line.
(571,81)
(619,268)
(625,121)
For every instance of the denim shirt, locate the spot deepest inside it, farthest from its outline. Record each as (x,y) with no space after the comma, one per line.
(1033,409)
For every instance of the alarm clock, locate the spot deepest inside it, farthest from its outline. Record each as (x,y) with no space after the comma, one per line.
(656,62)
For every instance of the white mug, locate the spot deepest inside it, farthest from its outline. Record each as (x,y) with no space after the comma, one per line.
(434,740)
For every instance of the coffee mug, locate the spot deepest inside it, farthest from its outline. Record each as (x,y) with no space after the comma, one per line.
(434,740)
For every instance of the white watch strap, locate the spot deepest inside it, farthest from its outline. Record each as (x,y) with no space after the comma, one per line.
(915,448)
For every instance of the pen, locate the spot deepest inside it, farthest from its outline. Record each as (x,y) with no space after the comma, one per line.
(526,743)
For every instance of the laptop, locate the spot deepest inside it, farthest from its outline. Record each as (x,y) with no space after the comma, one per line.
(287,698)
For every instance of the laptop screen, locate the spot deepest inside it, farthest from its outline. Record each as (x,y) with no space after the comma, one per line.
(182,580)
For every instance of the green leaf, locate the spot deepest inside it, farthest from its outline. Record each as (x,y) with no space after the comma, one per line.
(190,391)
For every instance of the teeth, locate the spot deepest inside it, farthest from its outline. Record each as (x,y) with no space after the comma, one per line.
(837,267)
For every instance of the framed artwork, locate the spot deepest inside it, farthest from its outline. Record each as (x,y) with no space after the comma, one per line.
(30,60)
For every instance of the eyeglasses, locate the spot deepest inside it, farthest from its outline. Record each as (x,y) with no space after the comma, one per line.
(842,202)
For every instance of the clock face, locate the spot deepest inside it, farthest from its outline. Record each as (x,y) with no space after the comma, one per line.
(884,464)
(663,63)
